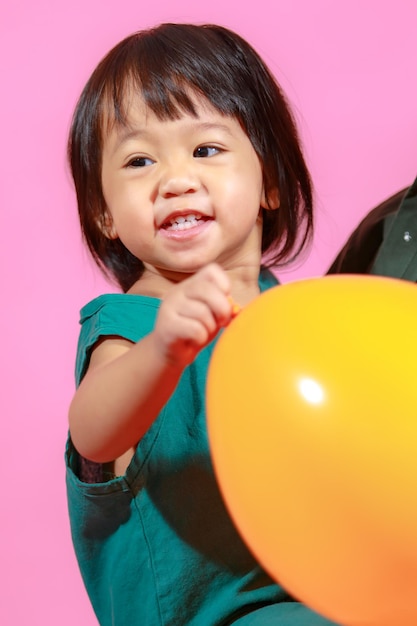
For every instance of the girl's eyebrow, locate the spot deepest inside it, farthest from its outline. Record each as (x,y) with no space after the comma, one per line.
(126,133)
(214,126)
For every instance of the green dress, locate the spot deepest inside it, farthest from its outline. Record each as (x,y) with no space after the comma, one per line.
(156,546)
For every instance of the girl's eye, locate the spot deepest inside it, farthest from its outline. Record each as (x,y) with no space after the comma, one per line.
(205,151)
(140,162)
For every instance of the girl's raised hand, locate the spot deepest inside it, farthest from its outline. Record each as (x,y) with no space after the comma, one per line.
(192,313)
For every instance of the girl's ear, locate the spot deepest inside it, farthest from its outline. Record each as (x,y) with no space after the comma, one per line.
(106,226)
(270,201)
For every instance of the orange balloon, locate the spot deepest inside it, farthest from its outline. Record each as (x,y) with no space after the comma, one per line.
(312,422)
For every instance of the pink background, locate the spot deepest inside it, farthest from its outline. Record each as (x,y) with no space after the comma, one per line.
(349,70)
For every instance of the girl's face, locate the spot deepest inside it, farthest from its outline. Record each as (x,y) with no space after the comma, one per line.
(182,193)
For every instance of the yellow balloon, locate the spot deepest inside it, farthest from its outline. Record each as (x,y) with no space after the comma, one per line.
(312,422)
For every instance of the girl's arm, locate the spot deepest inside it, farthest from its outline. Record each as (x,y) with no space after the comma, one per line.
(126,384)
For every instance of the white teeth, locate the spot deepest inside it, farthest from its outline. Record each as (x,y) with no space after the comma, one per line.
(183,222)
(182,219)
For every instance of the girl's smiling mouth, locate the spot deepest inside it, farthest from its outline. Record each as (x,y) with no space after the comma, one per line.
(183,222)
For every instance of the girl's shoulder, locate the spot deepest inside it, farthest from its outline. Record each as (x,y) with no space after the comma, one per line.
(117,303)
(267,279)
(115,314)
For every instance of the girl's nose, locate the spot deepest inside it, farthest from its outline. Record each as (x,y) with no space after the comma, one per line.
(179,179)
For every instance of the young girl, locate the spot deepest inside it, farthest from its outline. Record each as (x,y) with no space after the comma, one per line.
(188,171)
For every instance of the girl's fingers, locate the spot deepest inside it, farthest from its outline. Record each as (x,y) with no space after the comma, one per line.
(236,308)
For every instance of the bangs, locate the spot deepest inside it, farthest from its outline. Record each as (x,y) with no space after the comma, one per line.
(168,100)
(167,72)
